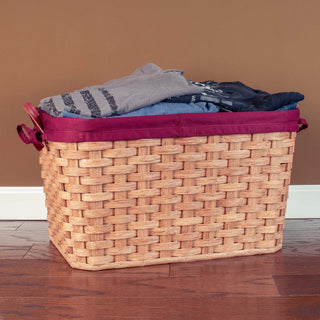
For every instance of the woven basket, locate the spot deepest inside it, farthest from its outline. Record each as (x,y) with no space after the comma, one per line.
(142,202)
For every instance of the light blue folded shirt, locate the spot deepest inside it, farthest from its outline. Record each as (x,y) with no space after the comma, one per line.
(288,107)
(160,108)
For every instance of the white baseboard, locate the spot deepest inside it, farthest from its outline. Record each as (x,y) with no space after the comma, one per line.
(303,202)
(22,203)
(28,203)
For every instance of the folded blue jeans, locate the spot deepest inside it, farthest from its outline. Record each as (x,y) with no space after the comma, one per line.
(160,108)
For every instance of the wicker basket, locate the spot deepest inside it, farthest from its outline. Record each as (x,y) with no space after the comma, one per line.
(118,204)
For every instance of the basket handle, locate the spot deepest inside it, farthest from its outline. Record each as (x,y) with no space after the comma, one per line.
(34,135)
(303,123)
(28,135)
(34,115)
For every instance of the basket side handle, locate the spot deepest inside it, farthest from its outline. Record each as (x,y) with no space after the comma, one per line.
(34,115)
(303,124)
(28,135)
(34,135)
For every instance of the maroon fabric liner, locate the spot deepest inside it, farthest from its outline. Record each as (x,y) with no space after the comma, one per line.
(164,126)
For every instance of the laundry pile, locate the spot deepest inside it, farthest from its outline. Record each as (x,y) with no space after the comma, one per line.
(152,91)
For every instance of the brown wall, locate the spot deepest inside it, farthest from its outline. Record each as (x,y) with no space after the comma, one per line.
(50,47)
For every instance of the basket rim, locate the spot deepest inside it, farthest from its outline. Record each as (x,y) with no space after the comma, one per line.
(165,126)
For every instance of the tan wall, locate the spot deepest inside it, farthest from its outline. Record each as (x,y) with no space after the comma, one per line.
(50,47)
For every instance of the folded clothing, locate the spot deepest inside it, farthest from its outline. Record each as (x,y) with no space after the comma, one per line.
(153,91)
(160,108)
(237,97)
(146,86)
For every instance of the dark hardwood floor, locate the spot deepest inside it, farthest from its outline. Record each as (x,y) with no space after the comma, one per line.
(36,282)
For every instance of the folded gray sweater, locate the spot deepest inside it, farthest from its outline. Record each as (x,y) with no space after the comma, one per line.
(145,86)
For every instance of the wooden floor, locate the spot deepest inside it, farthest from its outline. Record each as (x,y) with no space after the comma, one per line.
(36,283)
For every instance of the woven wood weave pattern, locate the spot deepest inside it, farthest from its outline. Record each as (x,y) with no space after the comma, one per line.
(142,202)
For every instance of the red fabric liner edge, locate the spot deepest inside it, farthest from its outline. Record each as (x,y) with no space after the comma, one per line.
(165,126)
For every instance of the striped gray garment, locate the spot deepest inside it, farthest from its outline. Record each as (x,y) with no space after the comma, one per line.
(145,86)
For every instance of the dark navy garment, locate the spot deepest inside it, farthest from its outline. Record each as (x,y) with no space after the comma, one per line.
(237,97)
